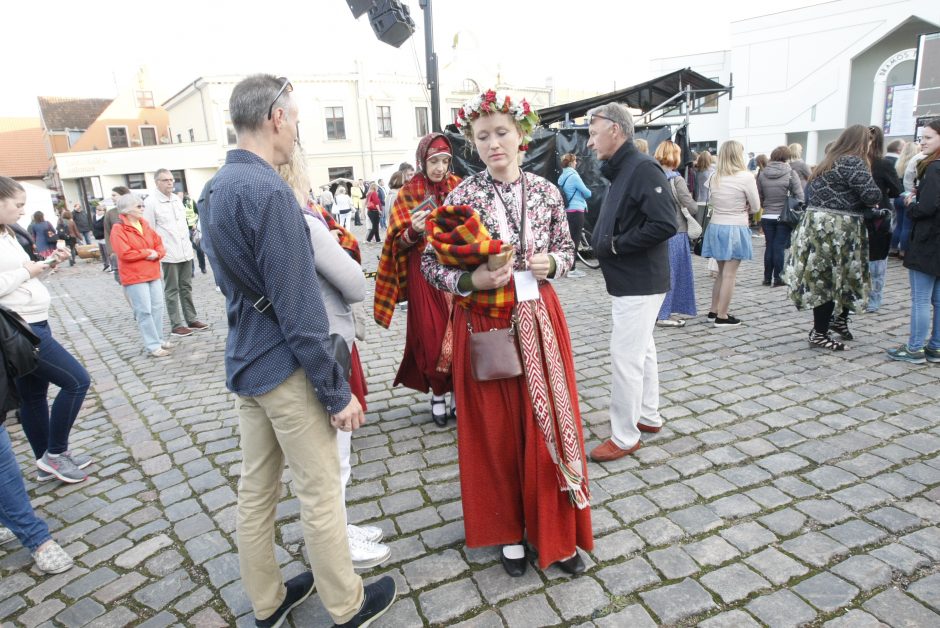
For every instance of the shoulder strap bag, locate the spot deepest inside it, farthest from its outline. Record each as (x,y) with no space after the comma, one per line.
(262,304)
(19,343)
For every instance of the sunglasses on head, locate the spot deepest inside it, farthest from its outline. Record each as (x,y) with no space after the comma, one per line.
(285,87)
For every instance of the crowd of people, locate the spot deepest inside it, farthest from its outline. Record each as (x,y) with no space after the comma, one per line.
(472,259)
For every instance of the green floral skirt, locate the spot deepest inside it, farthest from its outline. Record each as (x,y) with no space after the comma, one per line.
(828,261)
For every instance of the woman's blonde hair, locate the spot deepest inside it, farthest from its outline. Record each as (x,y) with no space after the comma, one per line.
(796,151)
(910,149)
(668,154)
(730,162)
(294,172)
(642,145)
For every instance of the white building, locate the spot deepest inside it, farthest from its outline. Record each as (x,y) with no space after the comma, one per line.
(806,74)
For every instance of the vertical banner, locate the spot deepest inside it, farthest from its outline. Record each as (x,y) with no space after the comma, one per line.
(899,110)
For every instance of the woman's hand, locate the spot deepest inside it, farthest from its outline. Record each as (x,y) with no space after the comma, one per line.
(417,220)
(35,268)
(485,279)
(152,255)
(541,265)
(910,198)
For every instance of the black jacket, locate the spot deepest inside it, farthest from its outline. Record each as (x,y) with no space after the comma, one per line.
(923,251)
(886,178)
(636,220)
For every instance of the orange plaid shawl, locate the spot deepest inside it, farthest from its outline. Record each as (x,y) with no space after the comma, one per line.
(346,239)
(391,283)
(460,238)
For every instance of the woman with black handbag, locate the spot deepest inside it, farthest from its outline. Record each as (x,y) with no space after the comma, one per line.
(523,473)
(777,184)
(22,292)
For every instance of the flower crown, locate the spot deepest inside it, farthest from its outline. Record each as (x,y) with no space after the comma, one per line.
(498,102)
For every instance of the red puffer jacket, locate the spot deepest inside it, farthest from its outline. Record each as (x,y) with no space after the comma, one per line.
(132,249)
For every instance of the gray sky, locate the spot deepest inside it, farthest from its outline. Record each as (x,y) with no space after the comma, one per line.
(59,48)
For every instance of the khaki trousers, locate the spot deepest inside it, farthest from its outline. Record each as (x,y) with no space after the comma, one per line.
(290,422)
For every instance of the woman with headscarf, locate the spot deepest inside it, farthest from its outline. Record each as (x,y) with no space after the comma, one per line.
(399,276)
(523,472)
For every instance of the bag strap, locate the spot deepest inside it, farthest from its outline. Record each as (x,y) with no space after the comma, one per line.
(261,303)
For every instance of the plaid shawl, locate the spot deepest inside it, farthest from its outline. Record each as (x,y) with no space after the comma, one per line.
(460,238)
(346,239)
(391,283)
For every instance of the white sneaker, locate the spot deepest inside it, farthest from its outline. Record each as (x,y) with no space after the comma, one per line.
(372,534)
(166,344)
(366,554)
(6,535)
(51,558)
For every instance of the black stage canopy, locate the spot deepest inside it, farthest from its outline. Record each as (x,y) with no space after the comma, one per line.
(645,96)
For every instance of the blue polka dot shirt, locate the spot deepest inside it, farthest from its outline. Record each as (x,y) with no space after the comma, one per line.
(253,221)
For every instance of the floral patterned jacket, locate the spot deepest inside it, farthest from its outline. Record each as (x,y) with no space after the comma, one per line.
(546,217)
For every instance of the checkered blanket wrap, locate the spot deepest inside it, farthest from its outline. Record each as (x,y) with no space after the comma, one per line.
(391,284)
(551,403)
(459,238)
(346,239)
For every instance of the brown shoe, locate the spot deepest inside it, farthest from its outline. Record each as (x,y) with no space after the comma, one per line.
(649,429)
(197,326)
(181,331)
(608,450)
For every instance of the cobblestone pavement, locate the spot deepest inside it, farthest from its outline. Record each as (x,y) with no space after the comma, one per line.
(790,486)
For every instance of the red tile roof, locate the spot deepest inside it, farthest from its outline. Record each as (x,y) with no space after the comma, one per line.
(22,149)
(71,113)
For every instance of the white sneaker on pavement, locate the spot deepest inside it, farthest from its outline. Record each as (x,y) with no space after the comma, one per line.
(368,533)
(51,558)
(367,554)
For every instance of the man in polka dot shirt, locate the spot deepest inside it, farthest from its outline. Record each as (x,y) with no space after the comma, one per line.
(292,395)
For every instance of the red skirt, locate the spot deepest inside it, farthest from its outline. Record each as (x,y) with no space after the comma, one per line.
(427,321)
(508,482)
(357,378)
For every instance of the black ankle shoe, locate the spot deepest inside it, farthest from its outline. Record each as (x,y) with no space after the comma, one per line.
(299,589)
(573,565)
(766,282)
(379,597)
(840,325)
(515,567)
(439,419)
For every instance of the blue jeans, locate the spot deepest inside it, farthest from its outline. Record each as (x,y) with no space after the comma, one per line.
(877,270)
(147,302)
(901,234)
(925,291)
(47,431)
(16,513)
(777,239)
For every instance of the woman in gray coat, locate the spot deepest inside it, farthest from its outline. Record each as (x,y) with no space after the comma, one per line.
(775,184)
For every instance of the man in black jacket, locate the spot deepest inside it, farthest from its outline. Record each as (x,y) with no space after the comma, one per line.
(630,238)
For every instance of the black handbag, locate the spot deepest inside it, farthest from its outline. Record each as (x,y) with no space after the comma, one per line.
(19,343)
(792,212)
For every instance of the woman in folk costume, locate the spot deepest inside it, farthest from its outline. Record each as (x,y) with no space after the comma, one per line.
(399,277)
(520,444)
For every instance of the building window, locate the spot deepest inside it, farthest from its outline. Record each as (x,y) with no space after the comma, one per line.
(148,135)
(453,115)
(145,100)
(180,176)
(335,123)
(344,172)
(421,121)
(384,121)
(469,85)
(192,135)
(230,136)
(136,181)
(117,136)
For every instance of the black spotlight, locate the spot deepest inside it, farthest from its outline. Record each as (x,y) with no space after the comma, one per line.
(359,7)
(391,21)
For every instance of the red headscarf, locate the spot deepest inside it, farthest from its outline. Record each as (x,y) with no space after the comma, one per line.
(430,145)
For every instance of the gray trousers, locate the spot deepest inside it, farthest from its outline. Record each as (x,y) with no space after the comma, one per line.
(178,291)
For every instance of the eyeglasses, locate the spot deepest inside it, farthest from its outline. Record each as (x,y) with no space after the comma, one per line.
(285,87)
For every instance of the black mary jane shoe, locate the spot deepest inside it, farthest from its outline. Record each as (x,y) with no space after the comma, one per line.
(439,419)
(515,567)
(573,565)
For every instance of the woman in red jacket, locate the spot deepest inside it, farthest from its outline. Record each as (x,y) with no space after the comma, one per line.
(139,250)
(374,209)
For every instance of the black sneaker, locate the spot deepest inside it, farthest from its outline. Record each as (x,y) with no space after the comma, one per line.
(379,597)
(711,317)
(299,589)
(726,322)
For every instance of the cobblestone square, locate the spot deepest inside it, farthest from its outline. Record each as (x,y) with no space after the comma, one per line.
(789,486)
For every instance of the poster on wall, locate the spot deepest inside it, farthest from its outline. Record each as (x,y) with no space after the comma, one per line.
(927,75)
(899,111)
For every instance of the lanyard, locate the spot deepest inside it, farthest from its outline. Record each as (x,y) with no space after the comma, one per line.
(522,229)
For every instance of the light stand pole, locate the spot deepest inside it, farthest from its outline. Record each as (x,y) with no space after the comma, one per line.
(431,61)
